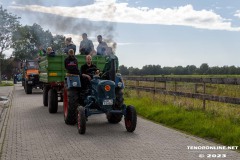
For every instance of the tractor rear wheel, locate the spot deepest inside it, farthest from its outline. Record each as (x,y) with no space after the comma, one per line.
(119,98)
(130,119)
(45,95)
(70,102)
(81,120)
(52,101)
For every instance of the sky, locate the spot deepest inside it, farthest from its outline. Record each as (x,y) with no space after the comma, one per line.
(166,32)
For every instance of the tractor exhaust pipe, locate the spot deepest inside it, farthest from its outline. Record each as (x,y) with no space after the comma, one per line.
(113,70)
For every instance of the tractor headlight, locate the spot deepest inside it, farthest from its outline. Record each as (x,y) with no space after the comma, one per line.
(120,84)
(107,88)
(74,84)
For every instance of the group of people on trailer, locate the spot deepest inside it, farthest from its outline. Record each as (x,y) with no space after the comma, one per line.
(86,48)
(71,65)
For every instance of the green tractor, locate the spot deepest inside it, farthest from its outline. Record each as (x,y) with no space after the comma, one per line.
(105,95)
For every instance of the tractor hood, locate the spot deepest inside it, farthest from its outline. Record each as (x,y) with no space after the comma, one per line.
(106,89)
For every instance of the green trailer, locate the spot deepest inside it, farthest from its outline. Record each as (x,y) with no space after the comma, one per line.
(53,73)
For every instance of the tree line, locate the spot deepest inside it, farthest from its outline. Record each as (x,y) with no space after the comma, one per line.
(24,40)
(204,69)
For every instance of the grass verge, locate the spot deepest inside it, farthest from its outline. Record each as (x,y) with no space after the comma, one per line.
(6,83)
(204,124)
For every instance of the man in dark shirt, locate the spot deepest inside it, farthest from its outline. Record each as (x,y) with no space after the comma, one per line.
(71,63)
(88,68)
(87,71)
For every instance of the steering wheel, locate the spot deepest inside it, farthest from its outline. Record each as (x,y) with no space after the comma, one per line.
(91,71)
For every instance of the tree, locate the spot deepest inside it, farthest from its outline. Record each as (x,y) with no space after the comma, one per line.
(9,68)
(204,68)
(123,70)
(191,69)
(9,24)
(27,40)
(58,43)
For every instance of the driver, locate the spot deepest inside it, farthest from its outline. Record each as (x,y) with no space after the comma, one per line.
(88,68)
(87,71)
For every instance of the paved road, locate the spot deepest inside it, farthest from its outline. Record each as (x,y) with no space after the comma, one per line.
(32,133)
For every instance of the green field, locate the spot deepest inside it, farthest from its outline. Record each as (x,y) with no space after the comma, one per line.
(219,122)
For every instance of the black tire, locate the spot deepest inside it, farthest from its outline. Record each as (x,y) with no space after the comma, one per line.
(116,118)
(45,95)
(130,119)
(14,81)
(73,100)
(23,84)
(28,88)
(52,101)
(81,120)
(119,98)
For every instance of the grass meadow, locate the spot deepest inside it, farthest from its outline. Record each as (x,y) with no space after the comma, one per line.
(219,122)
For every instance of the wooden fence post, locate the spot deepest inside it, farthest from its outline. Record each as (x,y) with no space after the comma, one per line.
(175,90)
(154,85)
(204,91)
(165,85)
(137,85)
(195,88)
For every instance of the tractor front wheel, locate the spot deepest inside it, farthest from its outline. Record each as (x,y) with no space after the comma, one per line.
(28,88)
(130,119)
(81,120)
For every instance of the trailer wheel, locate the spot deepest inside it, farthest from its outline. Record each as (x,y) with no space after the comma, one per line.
(45,95)
(52,101)
(28,88)
(81,120)
(130,119)
(70,101)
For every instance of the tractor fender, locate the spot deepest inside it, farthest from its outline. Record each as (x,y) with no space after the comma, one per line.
(119,81)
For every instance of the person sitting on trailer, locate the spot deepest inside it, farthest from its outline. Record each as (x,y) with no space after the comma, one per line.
(71,63)
(50,52)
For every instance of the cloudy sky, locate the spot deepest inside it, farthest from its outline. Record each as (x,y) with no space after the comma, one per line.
(164,32)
